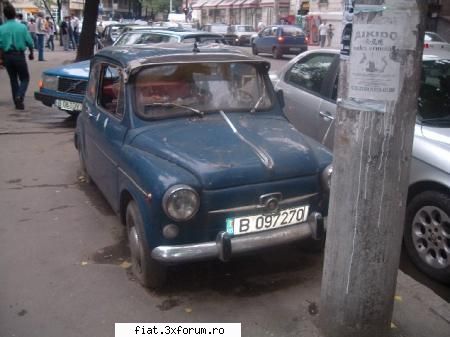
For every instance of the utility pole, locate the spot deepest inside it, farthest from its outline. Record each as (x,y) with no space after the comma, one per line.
(377,103)
(276,12)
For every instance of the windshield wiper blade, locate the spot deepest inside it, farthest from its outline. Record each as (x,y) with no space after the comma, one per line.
(258,102)
(171,105)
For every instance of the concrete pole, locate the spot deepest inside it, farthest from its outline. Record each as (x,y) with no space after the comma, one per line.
(276,12)
(378,88)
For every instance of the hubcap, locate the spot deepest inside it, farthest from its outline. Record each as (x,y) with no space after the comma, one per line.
(135,248)
(431,236)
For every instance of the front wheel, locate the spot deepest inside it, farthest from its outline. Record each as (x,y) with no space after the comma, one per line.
(147,271)
(254,50)
(427,234)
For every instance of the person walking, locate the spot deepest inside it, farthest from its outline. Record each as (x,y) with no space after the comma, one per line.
(323,34)
(75,23)
(64,33)
(330,34)
(32,30)
(40,33)
(14,40)
(51,35)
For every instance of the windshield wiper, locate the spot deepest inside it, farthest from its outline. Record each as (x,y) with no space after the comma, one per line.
(171,105)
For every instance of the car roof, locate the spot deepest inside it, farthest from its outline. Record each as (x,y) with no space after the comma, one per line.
(429,56)
(176,33)
(139,55)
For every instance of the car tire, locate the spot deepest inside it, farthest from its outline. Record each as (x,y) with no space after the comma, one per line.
(149,272)
(427,234)
(254,50)
(276,53)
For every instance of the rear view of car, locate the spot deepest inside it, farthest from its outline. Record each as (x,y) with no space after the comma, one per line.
(279,41)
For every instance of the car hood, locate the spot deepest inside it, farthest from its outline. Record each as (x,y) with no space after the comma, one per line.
(270,148)
(78,70)
(432,146)
(439,135)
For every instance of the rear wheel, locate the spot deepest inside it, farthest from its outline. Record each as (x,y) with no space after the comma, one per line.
(427,234)
(147,271)
(254,50)
(276,53)
(84,176)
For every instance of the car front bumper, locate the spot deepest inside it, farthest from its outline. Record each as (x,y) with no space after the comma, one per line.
(49,97)
(226,246)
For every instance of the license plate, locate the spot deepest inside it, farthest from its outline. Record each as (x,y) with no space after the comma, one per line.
(264,222)
(68,105)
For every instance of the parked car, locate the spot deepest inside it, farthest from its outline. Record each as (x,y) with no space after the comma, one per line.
(435,43)
(112,32)
(192,174)
(280,40)
(218,28)
(65,86)
(239,34)
(309,83)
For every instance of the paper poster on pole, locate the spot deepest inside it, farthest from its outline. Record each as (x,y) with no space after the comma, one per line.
(374,69)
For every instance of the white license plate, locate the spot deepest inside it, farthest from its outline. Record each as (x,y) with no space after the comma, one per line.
(264,222)
(68,105)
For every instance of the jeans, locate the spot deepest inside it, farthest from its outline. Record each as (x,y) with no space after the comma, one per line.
(322,40)
(40,40)
(65,41)
(50,42)
(17,69)
(34,38)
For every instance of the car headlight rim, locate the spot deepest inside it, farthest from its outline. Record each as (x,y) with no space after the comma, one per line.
(325,177)
(50,82)
(169,196)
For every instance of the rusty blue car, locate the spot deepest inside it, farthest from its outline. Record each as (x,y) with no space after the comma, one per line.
(190,147)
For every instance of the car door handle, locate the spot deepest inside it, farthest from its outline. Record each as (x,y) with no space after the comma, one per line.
(326,115)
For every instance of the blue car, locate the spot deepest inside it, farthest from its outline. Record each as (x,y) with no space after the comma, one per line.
(280,40)
(191,149)
(64,87)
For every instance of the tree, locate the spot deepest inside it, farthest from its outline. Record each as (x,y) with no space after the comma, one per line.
(87,38)
(378,90)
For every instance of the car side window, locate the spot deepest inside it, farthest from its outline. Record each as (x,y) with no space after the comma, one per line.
(310,71)
(111,90)
(266,32)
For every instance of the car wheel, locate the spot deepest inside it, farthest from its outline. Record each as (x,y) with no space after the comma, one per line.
(427,234)
(254,50)
(147,271)
(276,53)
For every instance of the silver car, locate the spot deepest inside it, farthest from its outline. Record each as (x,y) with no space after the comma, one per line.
(309,83)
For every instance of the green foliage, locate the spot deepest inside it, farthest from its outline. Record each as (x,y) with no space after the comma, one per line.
(162,5)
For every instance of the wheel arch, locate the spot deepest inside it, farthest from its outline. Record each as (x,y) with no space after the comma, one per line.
(125,198)
(423,186)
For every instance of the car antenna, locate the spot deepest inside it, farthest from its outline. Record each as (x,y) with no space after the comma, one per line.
(196,50)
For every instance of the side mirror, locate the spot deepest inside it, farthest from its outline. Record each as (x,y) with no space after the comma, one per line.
(280,97)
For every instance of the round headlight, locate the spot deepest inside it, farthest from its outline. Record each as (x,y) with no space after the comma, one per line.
(50,82)
(181,202)
(326,177)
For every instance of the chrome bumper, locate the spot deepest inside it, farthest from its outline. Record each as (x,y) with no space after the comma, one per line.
(225,246)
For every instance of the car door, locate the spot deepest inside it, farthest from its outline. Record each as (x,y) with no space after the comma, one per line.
(108,129)
(304,84)
(263,41)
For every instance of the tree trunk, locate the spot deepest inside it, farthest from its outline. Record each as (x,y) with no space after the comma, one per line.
(87,38)
(378,89)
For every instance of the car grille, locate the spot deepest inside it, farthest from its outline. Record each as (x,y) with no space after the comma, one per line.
(72,86)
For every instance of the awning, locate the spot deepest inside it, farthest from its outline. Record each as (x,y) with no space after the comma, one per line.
(250,3)
(226,4)
(238,3)
(199,4)
(271,3)
(212,3)
(26,6)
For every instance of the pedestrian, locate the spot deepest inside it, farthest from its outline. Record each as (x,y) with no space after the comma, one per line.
(72,42)
(32,30)
(64,33)
(75,23)
(14,40)
(20,19)
(323,33)
(51,35)
(330,34)
(40,33)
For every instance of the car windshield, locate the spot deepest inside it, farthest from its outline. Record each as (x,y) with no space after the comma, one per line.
(433,37)
(202,39)
(144,38)
(244,29)
(291,31)
(434,99)
(175,90)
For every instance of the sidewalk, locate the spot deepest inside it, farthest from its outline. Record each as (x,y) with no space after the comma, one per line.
(418,311)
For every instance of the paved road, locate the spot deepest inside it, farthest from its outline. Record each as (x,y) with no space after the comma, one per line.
(64,264)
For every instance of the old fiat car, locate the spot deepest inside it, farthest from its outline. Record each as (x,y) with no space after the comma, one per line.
(191,149)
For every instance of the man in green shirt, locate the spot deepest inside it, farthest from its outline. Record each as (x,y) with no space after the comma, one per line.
(14,40)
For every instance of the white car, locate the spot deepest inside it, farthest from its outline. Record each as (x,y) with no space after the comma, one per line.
(435,43)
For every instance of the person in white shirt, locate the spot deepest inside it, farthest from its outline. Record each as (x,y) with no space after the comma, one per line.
(323,33)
